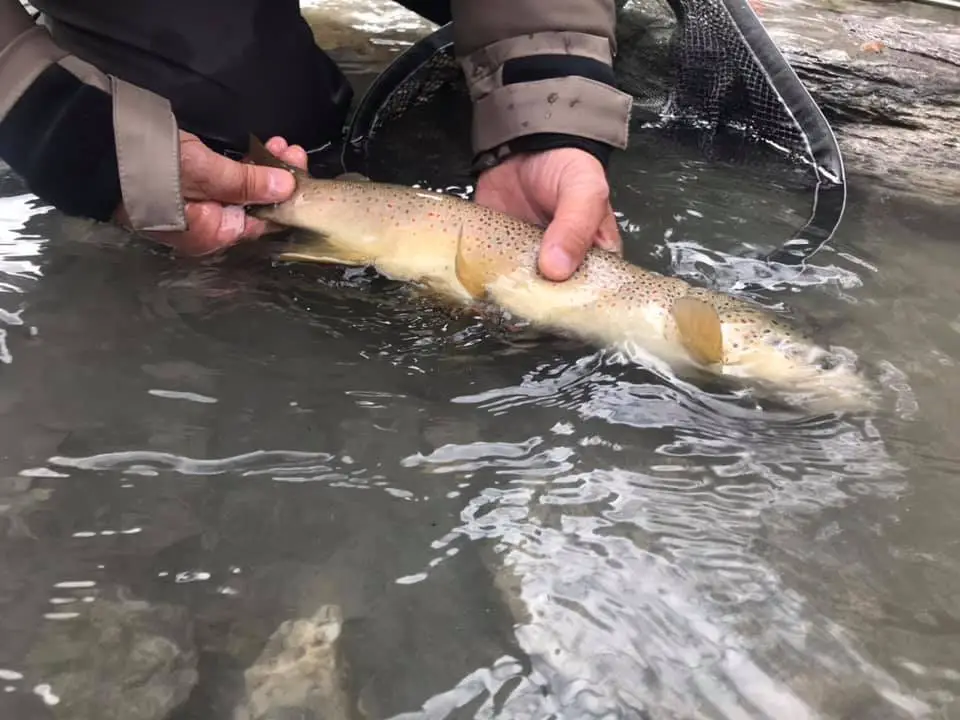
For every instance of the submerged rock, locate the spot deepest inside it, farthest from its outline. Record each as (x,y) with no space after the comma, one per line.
(299,675)
(18,499)
(117,660)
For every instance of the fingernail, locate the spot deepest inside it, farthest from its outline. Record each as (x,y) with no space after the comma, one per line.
(232,221)
(280,184)
(610,245)
(560,262)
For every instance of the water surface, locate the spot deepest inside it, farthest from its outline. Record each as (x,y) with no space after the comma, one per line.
(512,527)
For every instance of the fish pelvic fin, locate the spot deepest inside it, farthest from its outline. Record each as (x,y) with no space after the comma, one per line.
(699,328)
(316,248)
(471,276)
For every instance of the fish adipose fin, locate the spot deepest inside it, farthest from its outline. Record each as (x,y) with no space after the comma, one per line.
(700,330)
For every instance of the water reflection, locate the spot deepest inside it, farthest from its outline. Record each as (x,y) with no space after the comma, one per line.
(645,589)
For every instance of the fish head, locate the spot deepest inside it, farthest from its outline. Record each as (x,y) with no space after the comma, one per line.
(735,339)
(761,347)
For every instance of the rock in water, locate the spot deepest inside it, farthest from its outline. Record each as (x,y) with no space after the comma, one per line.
(299,674)
(119,660)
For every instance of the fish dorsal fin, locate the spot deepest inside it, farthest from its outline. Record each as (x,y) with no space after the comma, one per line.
(700,329)
(466,272)
(352,177)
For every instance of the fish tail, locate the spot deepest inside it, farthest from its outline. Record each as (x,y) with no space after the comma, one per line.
(257,154)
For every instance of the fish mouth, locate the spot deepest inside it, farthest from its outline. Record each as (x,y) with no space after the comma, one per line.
(831,379)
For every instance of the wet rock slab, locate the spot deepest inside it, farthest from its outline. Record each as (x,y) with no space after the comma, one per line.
(888,82)
(886,75)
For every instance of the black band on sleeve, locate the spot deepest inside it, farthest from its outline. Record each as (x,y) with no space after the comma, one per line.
(59,137)
(545,67)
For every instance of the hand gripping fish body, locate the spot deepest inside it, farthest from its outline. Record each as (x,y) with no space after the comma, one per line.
(467,254)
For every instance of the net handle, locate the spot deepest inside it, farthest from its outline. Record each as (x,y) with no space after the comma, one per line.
(830,193)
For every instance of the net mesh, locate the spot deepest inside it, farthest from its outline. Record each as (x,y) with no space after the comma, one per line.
(719,83)
(701,71)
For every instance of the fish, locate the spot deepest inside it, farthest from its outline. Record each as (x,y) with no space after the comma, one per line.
(468,255)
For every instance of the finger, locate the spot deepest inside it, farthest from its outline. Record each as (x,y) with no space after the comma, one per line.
(608,236)
(291,154)
(206,175)
(211,227)
(296,156)
(570,235)
(277,145)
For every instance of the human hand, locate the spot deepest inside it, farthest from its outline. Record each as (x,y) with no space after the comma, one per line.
(566,187)
(216,189)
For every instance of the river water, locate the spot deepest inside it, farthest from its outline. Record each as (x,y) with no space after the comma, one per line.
(503,526)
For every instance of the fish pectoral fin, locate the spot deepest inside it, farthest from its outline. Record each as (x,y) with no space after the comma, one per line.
(352,177)
(700,329)
(467,273)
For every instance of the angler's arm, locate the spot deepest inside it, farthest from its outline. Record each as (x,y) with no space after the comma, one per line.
(540,75)
(84,141)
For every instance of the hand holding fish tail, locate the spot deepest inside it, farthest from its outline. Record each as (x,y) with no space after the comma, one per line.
(216,189)
(565,187)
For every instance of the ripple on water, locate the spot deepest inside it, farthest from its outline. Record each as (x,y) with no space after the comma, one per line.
(646,590)
(287,466)
(19,264)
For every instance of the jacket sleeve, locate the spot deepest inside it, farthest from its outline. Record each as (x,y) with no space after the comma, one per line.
(540,74)
(84,141)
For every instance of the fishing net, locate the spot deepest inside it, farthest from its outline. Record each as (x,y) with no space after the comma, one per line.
(701,71)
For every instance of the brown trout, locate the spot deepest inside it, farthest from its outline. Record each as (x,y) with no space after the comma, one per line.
(468,255)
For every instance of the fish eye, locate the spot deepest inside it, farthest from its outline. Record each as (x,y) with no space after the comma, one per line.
(828,362)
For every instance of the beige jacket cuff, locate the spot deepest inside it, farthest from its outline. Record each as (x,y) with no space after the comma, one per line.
(570,105)
(145,129)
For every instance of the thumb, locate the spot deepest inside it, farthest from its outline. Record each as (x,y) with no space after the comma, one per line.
(207,175)
(580,212)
